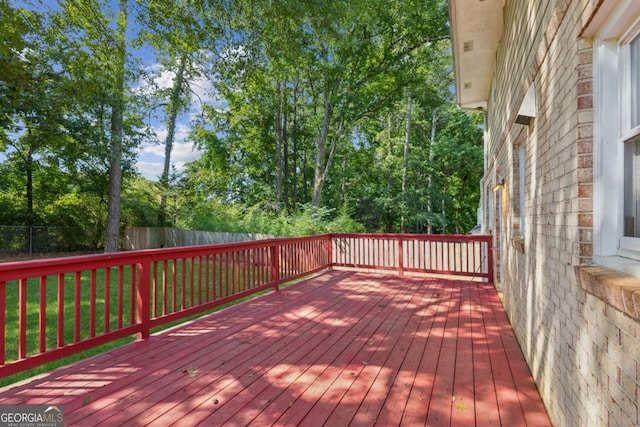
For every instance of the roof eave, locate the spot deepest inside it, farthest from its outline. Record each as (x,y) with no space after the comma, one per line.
(476,30)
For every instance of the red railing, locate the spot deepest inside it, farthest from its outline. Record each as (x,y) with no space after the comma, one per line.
(53,308)
(458,255)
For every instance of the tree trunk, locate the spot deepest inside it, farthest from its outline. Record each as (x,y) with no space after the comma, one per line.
(278,140)
(30,214)
(388,209)
(285,161)
(117,120)
(176,91)
(405,161)
(343,186)
(305,175)
(434,121)
(321,146)
(295,135)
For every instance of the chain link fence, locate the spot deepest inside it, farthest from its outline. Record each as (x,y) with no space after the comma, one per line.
(18,240)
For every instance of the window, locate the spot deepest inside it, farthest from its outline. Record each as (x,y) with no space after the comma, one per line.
(521,187)
(629,98)
(632,188)
(518,189)
(632,145)
(526,115)
(634,54)
(617,136)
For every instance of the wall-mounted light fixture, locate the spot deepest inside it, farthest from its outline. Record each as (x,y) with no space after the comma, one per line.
(499,185)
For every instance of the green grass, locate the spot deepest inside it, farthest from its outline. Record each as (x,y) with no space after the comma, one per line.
(185,274)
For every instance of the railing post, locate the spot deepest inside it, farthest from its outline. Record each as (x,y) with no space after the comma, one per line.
(400,257)
(490,269)
(275,266)
(143,312)
(330,252)
(3,311)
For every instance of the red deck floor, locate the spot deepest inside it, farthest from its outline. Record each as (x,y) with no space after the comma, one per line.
(340,349)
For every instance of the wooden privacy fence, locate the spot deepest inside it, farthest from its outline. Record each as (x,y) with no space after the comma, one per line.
(53,308)
(139,238)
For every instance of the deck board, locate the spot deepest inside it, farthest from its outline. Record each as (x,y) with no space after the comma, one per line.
(339,349)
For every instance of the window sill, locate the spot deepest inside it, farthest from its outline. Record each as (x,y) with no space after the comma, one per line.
(616,288)
(518,244)
(625,264)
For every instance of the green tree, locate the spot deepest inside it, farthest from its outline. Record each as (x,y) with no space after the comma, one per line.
(95,35)
(179,33)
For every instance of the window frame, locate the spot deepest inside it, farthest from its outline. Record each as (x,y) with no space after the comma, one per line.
(629,246)
(522,181)
(612,129)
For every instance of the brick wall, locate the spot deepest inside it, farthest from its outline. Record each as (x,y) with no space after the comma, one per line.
(583,352)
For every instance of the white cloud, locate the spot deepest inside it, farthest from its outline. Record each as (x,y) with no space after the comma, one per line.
(181,154)
(165,79)
(181,133)
(149,170)
(185,152)
(151,156)
(203,91)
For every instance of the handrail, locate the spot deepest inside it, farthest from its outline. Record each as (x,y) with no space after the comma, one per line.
(53,308)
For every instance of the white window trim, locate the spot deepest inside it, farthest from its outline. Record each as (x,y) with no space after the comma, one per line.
(522,171)
(611,127)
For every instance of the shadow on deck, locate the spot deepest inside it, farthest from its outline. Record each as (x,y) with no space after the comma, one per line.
(342,348)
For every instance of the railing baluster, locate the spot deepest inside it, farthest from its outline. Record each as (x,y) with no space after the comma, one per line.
(77,299)
(22,320)
(199,261)
(120,295)
(60,340)
(183,284)
(191,282)
(400,258)
(218,266)
(107,300)
(226,274)
(207,280)
(92,303)
(165,287)
(42,321)
(275,267)
(174,285)
(243,269)
(155,289)
(132,293)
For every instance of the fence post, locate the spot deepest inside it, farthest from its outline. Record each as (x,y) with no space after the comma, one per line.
(143,312)
(275,266)
(400,257)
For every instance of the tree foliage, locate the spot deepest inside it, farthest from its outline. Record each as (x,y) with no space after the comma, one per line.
(310,130)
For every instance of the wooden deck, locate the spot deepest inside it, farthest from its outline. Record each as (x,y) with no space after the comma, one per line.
(340,349)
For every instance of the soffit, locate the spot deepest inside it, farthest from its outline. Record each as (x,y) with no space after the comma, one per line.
(476,30)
